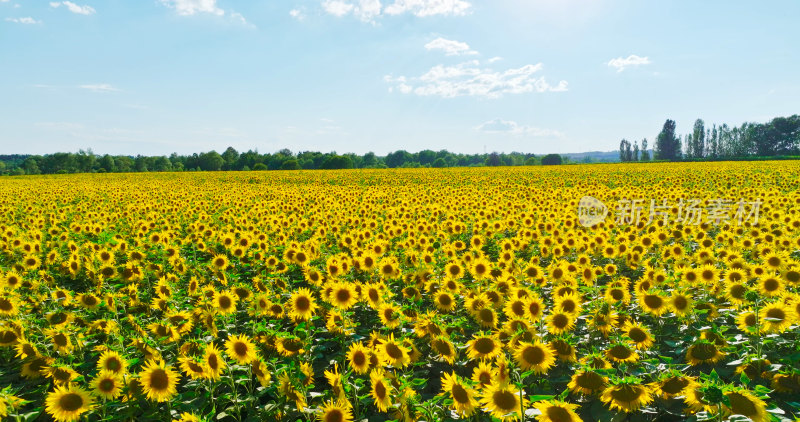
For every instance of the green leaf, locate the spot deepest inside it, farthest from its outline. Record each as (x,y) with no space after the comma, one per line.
(744,379)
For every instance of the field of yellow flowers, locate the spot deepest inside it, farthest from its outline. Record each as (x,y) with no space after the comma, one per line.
(410,295)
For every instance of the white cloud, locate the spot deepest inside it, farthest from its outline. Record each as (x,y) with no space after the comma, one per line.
(99,87)
(424,8)
(74,8)
(450,47)
(191,7)
(27,20)
(512,127)
(620,63)
(368,10)
(337,7)
(297,14)
(470,79)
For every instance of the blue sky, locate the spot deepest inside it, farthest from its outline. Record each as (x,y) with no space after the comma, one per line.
(162,76)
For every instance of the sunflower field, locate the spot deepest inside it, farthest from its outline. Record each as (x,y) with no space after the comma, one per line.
(408,295)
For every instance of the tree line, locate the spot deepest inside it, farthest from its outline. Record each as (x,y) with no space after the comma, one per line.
(85,161)
(778,137)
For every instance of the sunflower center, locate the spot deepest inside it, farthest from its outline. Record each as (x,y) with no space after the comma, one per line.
(6,305)
(333,415)
(484,345)
(750,320)
(776,313)
(560,321)
(459,394)
(106,385)
(558,414)
(445,300)
(60,340)
(442,347)
(617,294)
(620,352)
(653,301)
(505,401)
(590,381)
(637,334)
(708,275)
(212,361)
(568,306)
(704,351)
(343,296)
(359,359)
(224,302)
(240,349)
(793,276)
(674,385)
(159,380)
(70,402)
(771,284)
(737,291)
(394,351)
(742,405)
(302,304)
(626,393)
(380,390)
(292,345)
(486,315)
(533,355)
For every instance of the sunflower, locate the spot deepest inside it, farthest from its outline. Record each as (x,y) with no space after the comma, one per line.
(358,358)
(192,368)
(107,385)
(302,305)
(587,382)
(189,417)
(747,321)
(703,351)
(743,402)
(569,303)
(560,322)
(289,346)
(159,381)
(66,404)
(770,286)
(444,301)
(565,351)
(392,352)
(556,411)
(538,357)
(343,295)
(225,302)
(503,402)
(219,262)
(335,411)
(464,402)
(241,349)
(453,271)
(483,346)
(444,349)
(672,385)
(389,315)
(777,317)
(626,397)
(653,303)
(381,390)
(639,335)
(213,361)
(486,317)
(9,306)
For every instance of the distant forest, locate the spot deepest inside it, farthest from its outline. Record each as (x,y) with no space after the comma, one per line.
(777,138)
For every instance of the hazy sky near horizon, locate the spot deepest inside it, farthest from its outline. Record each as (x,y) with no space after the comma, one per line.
(160,76)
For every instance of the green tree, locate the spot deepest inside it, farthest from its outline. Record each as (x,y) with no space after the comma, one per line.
(668,146)
(291,164)
(211,161)
(551,160)
(439,163)
(337,162)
